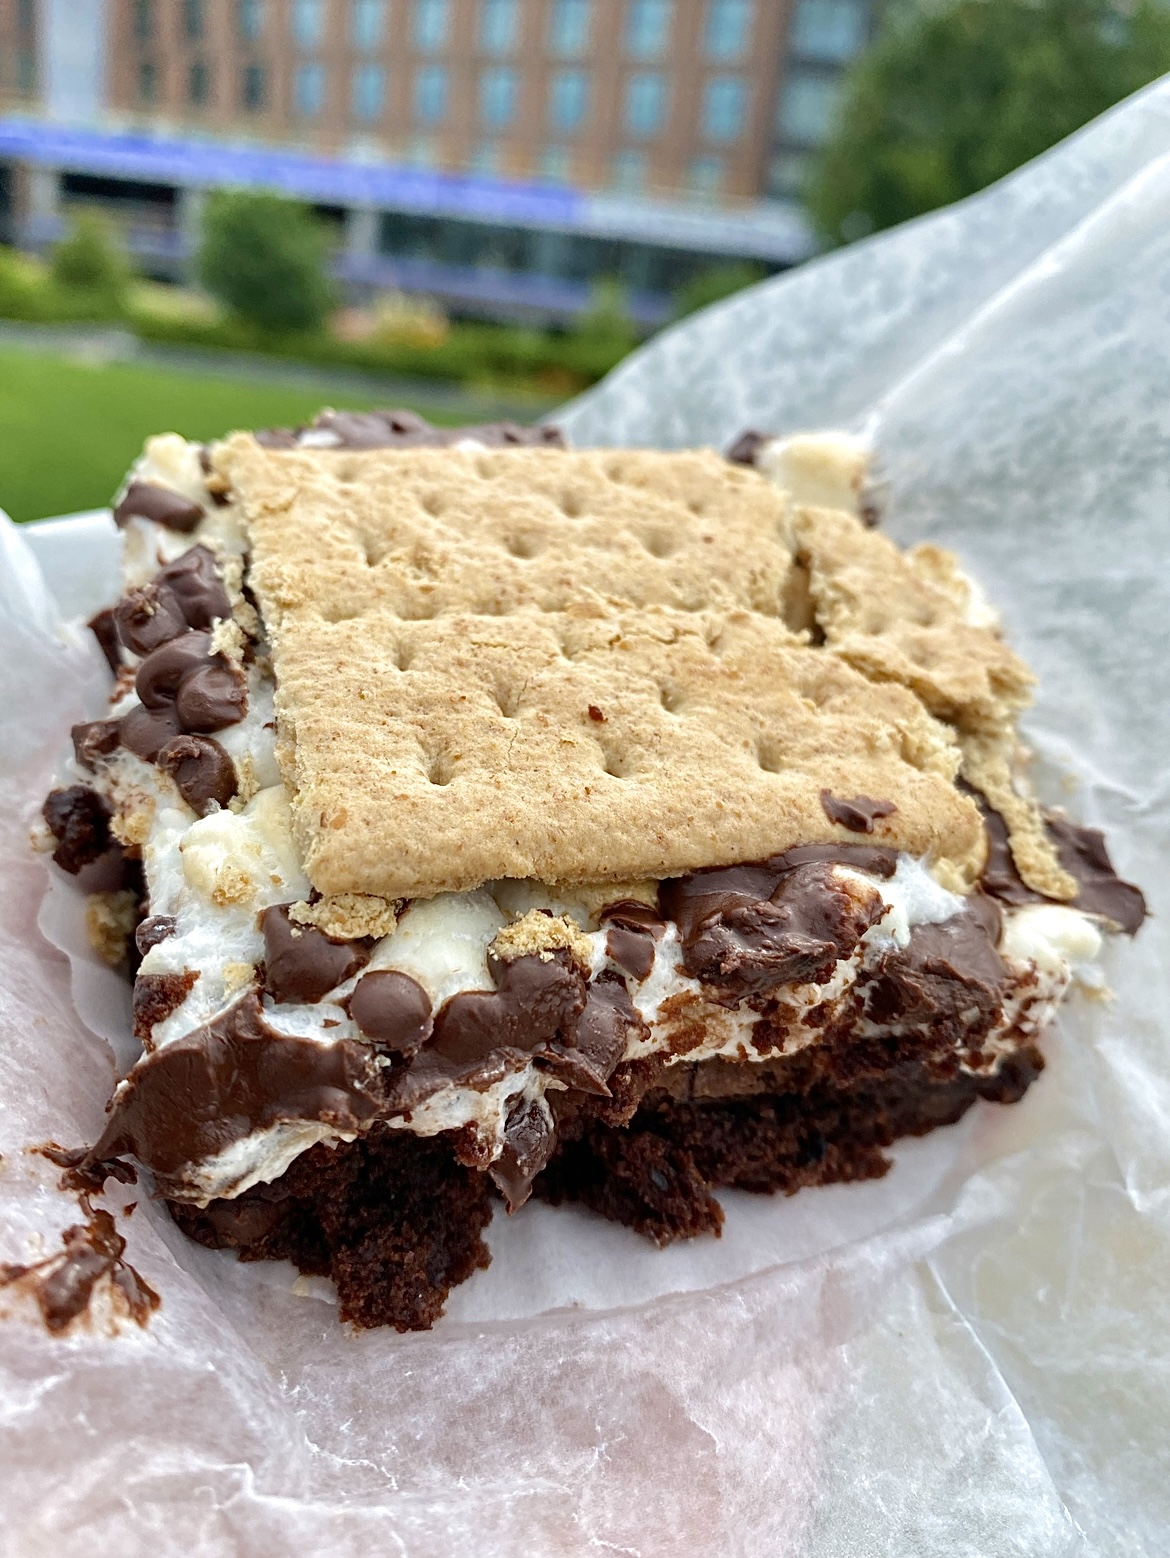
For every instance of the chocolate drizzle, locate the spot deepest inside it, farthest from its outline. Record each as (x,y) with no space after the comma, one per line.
(403,430)
(748,929)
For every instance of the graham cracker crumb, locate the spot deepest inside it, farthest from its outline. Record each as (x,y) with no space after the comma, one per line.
(228,640)
(348,916)
(110,921)
(132,827)
(237,976)
(542,934)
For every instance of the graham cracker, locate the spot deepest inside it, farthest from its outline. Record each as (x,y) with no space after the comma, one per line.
(595,666)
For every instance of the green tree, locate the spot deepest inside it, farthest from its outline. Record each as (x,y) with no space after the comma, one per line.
(90,267)
(263,257)
(715,284)
(951,97)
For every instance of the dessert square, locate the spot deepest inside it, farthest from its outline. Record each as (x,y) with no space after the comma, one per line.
(480,818)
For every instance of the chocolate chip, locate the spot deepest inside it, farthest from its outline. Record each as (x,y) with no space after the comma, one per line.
(201,769)
(392,1010)
(301,963)
(160,674)
(596,715)
(194,581)
(406,430)
(101,625)
(147,500)
(147,618)
(146,731)
(534,1002)
(94,741)
(746,447)
(586,1057)
(276,438)
(153,931)
(212,696)
(949,976)
(858,814)
(79,819)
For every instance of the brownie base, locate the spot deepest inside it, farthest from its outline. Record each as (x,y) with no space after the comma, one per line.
(397,1220)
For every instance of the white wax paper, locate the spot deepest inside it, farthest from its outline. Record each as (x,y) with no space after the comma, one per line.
(970,1357)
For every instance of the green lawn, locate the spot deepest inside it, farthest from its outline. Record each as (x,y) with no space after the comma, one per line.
(68,431)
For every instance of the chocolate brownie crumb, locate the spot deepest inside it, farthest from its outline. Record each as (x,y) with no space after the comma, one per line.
(156,996)
(79,819)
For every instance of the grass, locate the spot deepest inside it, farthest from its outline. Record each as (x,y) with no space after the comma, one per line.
(69,430)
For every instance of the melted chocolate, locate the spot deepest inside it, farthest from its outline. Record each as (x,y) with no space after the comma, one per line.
(858,814)
(147,500)
(529,1139)
(633,928)
(746,447)
(79,819)
(949,976)
(1082,853)
(146,731)
(301,963)
(235,1075)
(392,1010)
(599,1039)
(193,581)
(750,928)
(63,1284)
(211,696)
(407,430)
(104,629)
(162,672)
(535,1002)
(203,772)
(147,618)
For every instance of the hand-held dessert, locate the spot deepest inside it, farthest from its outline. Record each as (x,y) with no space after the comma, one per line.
(603,825)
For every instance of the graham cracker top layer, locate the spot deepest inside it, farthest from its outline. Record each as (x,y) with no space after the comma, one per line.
(590,666)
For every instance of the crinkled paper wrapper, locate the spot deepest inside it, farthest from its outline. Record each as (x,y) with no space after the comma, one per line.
(969,1357)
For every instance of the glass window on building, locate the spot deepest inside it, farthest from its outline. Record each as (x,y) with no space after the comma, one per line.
(309,90)
(645,102)
(254,88)
(430,25)
(556,163)
(724,108)
(728,24)
(194,18)
(308,23)
(147,81)
(369,92)
(648,28)
(705,176)
(499,26)
(430,94)
(367,18)
(569,26)
(499,91)
(198,84)
(143,20)
(568,99)
(807,107)
(629,171)
(829,31)
(249,19)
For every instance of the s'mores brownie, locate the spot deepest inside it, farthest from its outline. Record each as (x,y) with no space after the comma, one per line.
(493,819)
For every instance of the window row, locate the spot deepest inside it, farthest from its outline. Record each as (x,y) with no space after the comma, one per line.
(722,115)
(647,32)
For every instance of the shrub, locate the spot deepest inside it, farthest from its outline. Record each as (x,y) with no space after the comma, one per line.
(89,267)
(263,257)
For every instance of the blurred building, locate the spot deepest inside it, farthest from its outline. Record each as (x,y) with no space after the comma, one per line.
(499,154)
